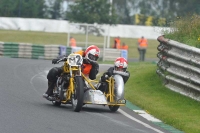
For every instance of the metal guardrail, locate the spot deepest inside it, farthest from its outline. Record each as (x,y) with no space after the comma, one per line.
(179,66)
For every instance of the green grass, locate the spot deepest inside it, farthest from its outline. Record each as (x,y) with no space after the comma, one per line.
(61,39)
(145,89)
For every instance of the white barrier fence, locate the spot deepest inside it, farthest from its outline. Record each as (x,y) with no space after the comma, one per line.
(63,26)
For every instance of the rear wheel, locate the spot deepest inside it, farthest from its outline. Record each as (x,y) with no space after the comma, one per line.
(77,97)
(113,108)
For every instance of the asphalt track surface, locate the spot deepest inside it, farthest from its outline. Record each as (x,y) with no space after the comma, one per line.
(23,110)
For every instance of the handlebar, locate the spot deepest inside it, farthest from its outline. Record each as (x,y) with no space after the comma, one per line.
(63,59)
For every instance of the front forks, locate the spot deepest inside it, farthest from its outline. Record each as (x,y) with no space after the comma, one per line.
(70,90)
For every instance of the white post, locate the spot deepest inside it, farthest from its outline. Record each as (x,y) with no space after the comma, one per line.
(104,47)
(86,40)
(68,38)
(110,13)
(108,37)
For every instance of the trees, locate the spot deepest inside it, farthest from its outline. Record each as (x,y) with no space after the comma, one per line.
(169,9)
(22,8)
(152,12)
(124,10)
(92,11)
(8,8)
(55,9)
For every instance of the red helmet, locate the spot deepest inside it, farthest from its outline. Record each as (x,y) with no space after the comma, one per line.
(121,64)
(92,53)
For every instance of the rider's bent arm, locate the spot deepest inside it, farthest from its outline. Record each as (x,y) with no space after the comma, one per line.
(94,71)
(125,78)
(125,75)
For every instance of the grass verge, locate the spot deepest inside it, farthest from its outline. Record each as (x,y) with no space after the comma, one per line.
(145,90)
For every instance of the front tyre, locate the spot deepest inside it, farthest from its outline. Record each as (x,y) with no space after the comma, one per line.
(77,97)
(113,108)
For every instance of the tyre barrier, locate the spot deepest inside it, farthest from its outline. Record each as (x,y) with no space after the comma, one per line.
(52,51)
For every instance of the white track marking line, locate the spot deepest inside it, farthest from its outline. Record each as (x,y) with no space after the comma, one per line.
(31,81)
(138,121)
(147,116)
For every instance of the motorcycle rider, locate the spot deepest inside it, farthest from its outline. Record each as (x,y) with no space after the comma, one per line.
(120,67)
(90,68)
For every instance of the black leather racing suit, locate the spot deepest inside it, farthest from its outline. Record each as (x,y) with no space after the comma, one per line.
(55,72)
(111,71)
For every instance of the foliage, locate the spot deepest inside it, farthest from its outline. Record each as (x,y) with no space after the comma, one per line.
(140,19)
(22,8)
(159,10)
(123,10)
(169,9)
(55,9)
(185,30)
(153,12)
(95,11)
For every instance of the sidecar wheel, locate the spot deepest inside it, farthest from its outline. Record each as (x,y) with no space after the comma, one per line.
(55,103)
(77,97)
(113,108)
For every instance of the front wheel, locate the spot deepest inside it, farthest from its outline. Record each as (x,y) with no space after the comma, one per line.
(77,97)
(113,108)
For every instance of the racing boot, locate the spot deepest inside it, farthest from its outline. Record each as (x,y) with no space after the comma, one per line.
(49,93)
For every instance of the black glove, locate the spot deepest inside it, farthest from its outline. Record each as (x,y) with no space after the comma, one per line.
(109,73)
(104,77)
(55,61)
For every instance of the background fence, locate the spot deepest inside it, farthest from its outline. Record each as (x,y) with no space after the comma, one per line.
(63,26)
(34,51)
(179,67)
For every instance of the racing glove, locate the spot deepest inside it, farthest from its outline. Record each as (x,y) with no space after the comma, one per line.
(104,77)
(95,66)
(55,61)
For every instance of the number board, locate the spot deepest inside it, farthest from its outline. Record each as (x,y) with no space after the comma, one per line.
(75,60)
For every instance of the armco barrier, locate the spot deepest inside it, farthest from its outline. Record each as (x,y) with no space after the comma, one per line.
(36,51)
(179,66)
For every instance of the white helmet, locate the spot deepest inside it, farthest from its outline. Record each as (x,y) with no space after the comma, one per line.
(121,64)
(92,53)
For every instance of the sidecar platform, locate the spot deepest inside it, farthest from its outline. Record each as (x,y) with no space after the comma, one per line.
(94,97)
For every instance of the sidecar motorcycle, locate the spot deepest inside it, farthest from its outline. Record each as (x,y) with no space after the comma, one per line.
(113,96)
(74,88)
